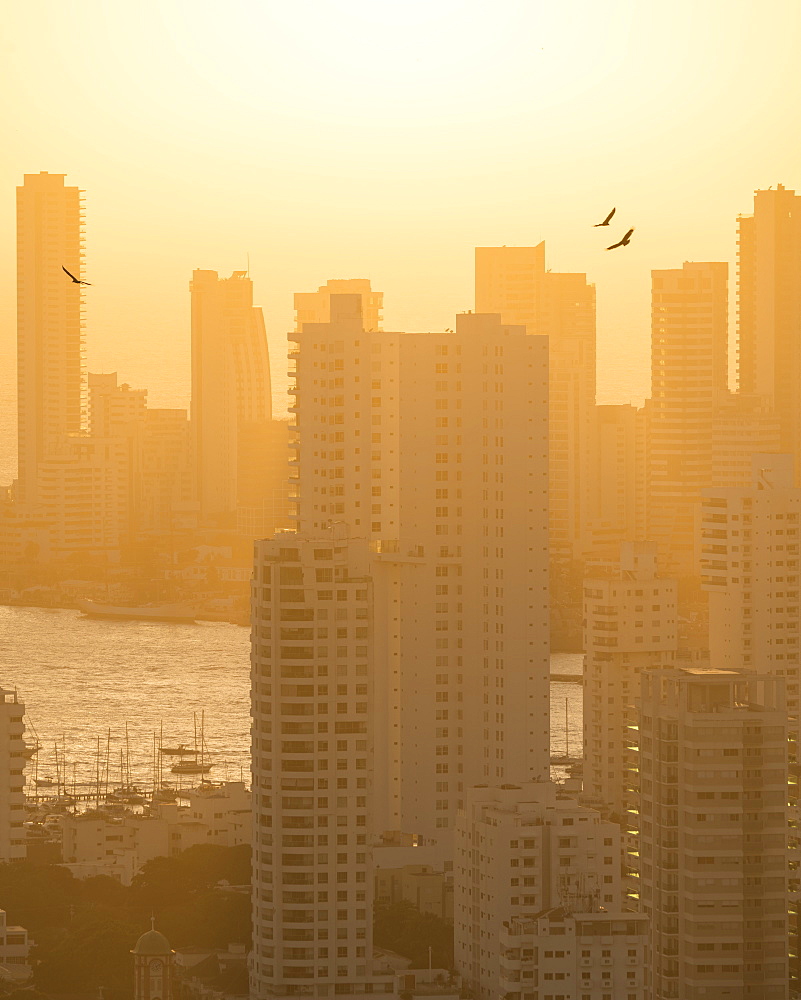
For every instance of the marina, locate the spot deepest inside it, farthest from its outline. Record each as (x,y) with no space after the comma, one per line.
(156,678)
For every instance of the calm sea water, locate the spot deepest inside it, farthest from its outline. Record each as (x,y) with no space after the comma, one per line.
(80,678)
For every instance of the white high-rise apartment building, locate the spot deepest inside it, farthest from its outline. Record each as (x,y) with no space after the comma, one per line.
(750,564)
(409,440)
(50,338)
(473,692)
(629,625)
(12,777)
(346,409)
(420,566)
(313,732)
(522,850)
(713,833)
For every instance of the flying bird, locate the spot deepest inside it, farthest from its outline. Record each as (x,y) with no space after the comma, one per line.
(606,220)
(76,281)
(622,243)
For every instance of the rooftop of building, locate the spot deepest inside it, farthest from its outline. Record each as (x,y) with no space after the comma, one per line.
(152,942)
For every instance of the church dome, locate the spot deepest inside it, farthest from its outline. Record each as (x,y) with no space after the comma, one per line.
(152,942)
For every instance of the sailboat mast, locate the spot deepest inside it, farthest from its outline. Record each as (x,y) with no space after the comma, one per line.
(108,760)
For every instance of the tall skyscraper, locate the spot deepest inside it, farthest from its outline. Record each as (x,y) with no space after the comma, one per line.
(473,692)
(629,625)
(436,564)
(50,338)
(513,282)
(769,291)
(712,773)
(347,419)
(408,440)
(750,565)
(689,373)
(231,389)
(313,731)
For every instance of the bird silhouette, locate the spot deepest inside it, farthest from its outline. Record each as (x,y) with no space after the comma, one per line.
(606,220)
(622,243)
(75,280)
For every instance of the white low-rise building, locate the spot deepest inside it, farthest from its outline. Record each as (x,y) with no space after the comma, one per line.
(14,949)
(522,850)
(575,956)
(97,844)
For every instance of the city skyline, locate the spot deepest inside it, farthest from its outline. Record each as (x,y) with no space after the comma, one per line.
(399,577)
(566,152)
(172,386)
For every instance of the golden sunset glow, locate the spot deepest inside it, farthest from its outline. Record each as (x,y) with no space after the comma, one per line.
(400,499)
(388,139)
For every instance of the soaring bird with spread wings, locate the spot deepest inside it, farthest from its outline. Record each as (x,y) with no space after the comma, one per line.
(606,220)
(622,243)
(76,281)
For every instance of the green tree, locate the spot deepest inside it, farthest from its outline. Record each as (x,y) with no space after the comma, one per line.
(404,929)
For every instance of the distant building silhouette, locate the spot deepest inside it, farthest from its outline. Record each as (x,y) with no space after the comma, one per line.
(50,329)
(513,282)
(689,375)
(769,309)
(315,307)
(231,398)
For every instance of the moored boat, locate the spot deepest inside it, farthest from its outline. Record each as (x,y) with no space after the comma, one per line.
(144,612)
(191,767)
(179,751)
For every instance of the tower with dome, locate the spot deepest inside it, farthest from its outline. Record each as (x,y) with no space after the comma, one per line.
(153,966)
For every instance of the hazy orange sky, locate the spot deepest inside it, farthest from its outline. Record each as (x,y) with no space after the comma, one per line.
(365,138)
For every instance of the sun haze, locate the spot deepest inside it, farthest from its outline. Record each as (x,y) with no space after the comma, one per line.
(387,140)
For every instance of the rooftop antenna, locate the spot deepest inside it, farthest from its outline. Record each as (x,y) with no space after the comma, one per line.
(248,264)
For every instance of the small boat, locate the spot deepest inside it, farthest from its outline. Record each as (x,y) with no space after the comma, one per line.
(179,751)
(190,767)
(44,782)
(129,794)
(31,749)
(197,765)
(144,612)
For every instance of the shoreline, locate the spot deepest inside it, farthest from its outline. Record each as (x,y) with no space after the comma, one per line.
(64,606)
